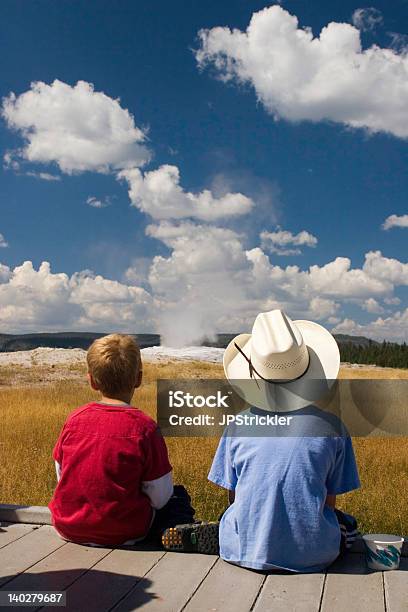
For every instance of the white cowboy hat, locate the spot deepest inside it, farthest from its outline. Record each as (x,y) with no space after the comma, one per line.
(283,365)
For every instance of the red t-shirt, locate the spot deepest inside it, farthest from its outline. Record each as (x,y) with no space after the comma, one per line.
(106,452)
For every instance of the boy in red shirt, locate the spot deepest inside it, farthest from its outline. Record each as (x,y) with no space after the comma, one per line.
(115,484)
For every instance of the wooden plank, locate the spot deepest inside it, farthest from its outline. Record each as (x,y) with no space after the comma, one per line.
(109,580)
(57,571)
(170,584)
(27,551)
(294,592)
(228,588)
(11,532)
(351,586)
(396,588)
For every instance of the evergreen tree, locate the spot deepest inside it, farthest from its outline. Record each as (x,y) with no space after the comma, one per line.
(386,354)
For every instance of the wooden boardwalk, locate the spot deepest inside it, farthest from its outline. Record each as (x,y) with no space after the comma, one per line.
(33,557)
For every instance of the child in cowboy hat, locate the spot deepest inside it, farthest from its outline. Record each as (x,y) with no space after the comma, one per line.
(282,484)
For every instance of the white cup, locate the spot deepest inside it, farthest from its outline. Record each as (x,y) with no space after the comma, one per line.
(383,551)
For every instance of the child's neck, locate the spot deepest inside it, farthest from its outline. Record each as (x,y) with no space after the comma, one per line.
(125,399)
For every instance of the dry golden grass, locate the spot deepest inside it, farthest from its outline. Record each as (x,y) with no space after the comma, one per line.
(367,372)
(17,375)
(32,416)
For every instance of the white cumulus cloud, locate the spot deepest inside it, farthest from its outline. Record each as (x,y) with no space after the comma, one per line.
(399,41)
(394,327)
(282,242)
(208,282)
(44,176)
(3,242)
(367,19)
(34,300)
(99,202)
(371,305)
(385,269)
(75,127)
(395,221)
(322,308)
(159,194)
(4,273)
(335,281)
(392,301)
(298,76)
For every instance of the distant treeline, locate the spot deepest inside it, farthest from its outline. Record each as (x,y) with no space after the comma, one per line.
(385,354)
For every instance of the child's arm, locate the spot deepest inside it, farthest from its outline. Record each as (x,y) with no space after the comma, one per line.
(343,475)
(157,479)
(222,471)
(57,453)
(159,490)
(58,470)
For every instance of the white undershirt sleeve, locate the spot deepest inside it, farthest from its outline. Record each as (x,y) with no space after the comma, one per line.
(58,470)
(159,490)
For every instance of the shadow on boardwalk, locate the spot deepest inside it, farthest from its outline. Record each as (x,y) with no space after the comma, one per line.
(94,590)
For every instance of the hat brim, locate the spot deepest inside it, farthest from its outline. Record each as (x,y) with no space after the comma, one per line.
(323,369)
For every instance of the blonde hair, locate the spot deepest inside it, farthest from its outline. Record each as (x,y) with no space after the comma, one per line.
(114,363)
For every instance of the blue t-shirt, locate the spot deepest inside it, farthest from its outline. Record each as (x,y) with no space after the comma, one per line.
(279,519)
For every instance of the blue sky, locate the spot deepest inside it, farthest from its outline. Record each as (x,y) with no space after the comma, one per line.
(336,182)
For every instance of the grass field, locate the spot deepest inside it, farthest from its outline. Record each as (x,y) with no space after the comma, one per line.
(33,411)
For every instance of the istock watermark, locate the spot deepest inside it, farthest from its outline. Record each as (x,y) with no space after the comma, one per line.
(212,407)
(180,399)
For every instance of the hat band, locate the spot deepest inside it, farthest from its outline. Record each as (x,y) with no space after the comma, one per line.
(252,369)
